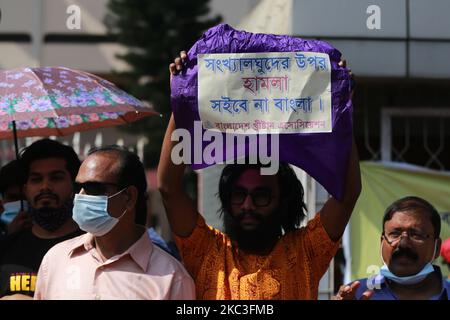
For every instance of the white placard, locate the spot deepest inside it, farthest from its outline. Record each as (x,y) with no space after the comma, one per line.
(276,92)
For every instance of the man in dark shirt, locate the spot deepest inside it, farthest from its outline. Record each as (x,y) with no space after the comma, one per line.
(50,169)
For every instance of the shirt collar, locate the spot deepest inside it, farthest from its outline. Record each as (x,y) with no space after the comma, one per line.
(140,251)
(80,243)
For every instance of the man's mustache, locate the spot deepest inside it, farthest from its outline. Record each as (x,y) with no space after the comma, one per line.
(46,195)
(404,252)
(252,214)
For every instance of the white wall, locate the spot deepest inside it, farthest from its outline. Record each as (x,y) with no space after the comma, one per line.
(17,15)
(430,18)
(347,18)
(232,11)
(92,13)
(373,58)
(385,52)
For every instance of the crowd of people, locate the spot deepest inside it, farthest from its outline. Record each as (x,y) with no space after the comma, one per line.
(72,230)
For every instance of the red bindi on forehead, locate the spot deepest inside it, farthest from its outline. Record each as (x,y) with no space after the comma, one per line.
(252,178)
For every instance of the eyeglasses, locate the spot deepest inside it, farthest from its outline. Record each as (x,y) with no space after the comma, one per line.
(261,197)
(95,188)
(415,236)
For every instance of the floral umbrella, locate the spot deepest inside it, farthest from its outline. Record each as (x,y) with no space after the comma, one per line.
(58,101)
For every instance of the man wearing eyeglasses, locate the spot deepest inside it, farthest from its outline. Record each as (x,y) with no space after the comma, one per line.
(410,243)
(263,253)
(115,259)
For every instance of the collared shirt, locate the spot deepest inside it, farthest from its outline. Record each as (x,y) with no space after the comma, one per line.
(160,242)
(384,292)
(74,269)
(292,270)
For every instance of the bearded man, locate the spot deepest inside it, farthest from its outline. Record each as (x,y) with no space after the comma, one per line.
(50,169)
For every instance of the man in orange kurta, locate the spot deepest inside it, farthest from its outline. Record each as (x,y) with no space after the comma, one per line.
(292,270)
(262,254)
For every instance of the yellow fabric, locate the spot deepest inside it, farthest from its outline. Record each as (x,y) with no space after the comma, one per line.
(291,271)
(381,185)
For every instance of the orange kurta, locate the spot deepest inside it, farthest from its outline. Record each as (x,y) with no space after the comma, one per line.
(291,271)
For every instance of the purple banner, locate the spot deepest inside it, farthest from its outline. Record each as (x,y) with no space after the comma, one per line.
(322,155)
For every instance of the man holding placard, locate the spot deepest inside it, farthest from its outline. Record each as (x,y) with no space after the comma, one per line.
(263,253)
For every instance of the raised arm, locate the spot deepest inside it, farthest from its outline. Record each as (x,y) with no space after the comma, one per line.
(336,214)
(181,210)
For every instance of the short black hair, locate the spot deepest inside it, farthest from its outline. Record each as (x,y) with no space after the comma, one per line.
(415,204)
(292,207)
(131,173)
(47,148)
(11,174)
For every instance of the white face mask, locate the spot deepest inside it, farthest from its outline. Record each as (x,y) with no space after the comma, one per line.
(11,210)
(413,279)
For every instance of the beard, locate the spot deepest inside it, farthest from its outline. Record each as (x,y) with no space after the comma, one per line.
(258,240)
(51,219)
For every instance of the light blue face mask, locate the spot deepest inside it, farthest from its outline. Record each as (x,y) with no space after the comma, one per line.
(413,279)
(11,211)
(91,214)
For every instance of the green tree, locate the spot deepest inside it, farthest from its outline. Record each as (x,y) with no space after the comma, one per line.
(154,31)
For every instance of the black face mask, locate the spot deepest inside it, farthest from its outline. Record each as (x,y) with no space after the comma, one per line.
(52,219)
(258,240)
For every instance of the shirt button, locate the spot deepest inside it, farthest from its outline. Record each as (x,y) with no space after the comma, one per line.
(97,297)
